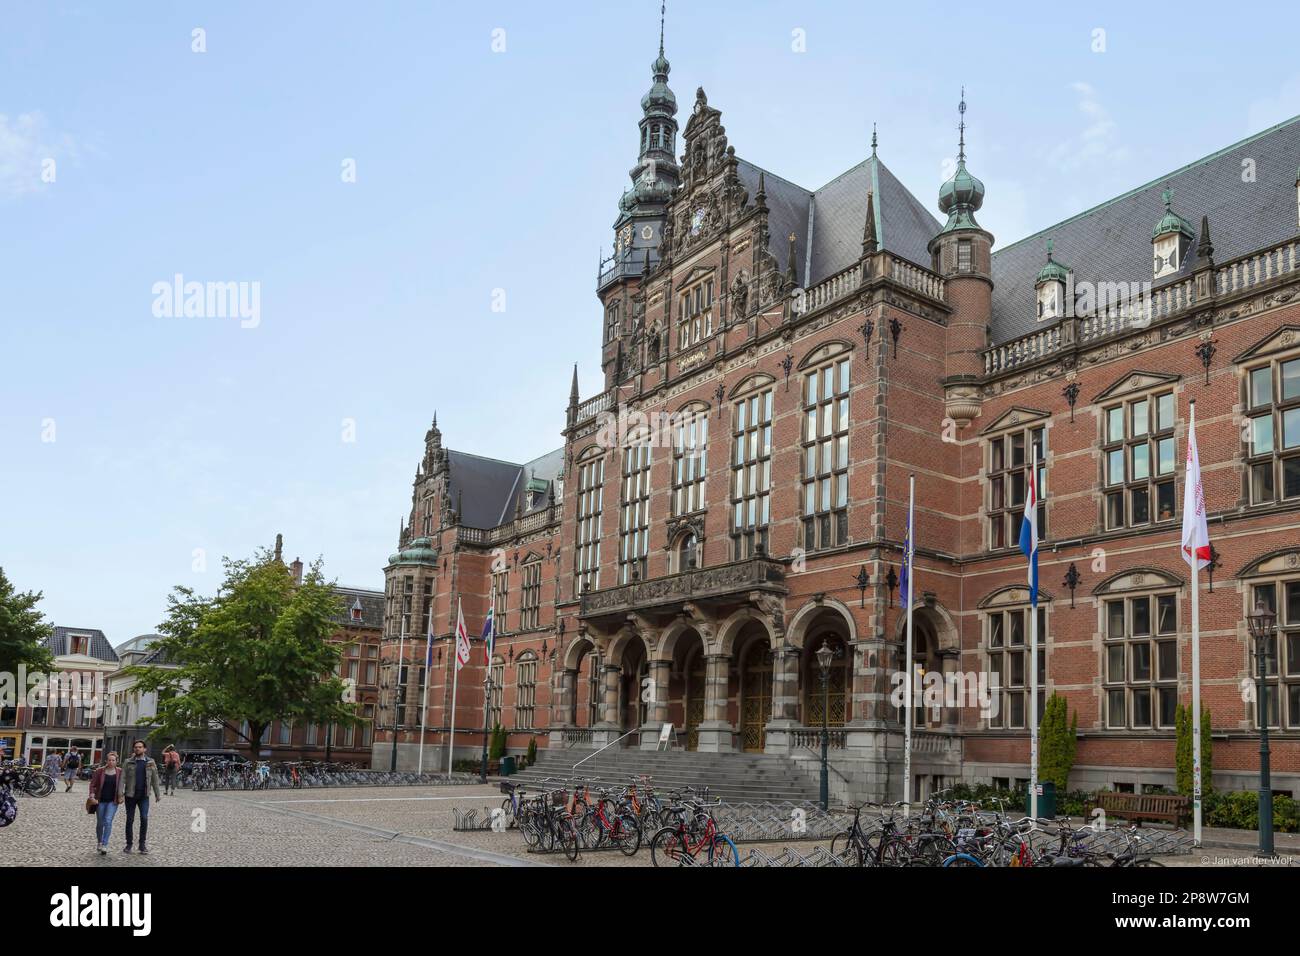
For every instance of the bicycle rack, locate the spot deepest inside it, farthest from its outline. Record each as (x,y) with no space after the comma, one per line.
(464,820)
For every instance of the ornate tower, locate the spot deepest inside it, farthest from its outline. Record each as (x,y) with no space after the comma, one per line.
(639,227)
(962,255)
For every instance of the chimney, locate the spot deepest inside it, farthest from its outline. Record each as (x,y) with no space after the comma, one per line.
(296,569)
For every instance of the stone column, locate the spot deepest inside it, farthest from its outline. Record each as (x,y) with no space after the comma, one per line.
(607,729)
(715,732)
(657,707)
(785,700)
(951,658)
(564,694)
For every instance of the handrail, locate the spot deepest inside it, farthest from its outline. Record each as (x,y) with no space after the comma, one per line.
(603,749)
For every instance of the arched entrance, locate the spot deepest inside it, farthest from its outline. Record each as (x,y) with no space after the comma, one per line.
(635,668)
(584,703)
(755,692)
(833,700)
(686,686)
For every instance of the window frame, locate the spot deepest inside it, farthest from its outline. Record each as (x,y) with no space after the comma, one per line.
(1279,410)
(750,478)
(1129,640)
(825,422)
(1004,511)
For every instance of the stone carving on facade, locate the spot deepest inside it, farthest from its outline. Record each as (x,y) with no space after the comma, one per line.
(678,526)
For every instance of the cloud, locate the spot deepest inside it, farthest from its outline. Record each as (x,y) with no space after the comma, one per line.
(26,142)
(1095,143)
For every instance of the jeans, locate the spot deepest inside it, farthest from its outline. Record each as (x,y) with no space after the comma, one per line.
(131,804)
(169,779)
(104,814)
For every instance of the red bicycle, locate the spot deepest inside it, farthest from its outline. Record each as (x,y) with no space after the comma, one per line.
(694,831)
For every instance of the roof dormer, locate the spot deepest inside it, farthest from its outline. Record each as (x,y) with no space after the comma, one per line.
(1170,240)
(1051,285)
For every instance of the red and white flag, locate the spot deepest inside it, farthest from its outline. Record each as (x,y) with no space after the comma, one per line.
(1196,536)
(462,639)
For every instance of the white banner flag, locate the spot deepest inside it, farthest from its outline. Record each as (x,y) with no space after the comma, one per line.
(1196,536)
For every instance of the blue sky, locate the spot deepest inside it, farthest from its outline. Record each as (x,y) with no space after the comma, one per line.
(475,171)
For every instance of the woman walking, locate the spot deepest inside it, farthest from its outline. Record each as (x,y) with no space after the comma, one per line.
(106,794)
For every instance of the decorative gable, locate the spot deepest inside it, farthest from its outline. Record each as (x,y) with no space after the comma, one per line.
(1135,383)
(1017,416)
(1013,597)
(825,352)
(1281,340)
(1285,561)
(1138,579)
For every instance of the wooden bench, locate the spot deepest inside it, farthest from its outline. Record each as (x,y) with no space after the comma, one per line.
(1162,807)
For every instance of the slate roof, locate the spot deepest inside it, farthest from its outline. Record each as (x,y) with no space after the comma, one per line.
(100,648)
(834,216)
(372,606)
(487,488)
(1112,242)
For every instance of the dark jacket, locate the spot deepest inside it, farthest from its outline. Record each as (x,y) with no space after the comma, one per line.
(151,781)
(97,783)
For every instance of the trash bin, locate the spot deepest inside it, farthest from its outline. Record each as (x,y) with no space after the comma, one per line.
(1046,800)
(507,766)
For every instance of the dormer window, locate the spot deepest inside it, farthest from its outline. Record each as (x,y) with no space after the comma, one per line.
(1170,240)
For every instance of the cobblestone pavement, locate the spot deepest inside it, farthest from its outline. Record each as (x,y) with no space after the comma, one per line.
(372,826)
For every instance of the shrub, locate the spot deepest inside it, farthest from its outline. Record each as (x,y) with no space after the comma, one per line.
(1059,743)
(497,746)
(530,757)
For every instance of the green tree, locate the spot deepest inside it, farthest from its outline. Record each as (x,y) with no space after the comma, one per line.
(1183,752)
(531,756)
(23,632)
(257,652)
(1058,742)
(497,743)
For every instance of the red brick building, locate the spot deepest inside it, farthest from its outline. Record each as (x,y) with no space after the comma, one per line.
(778,361)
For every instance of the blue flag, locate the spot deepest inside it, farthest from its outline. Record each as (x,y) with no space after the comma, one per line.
(1029,538)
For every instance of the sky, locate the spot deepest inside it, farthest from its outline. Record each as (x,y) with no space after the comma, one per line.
(412,199)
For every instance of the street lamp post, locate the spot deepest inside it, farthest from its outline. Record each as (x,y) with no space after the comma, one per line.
(1261,629)
(487,699)
(824,657)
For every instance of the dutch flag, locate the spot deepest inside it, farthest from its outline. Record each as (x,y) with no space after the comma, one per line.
(1029,533)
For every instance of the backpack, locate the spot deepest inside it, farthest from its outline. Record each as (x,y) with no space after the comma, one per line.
(8,807)
(73,762)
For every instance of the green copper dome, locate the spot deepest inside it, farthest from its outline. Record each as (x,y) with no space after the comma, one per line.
(962,189)
(660,98)
(1171,221)
(419,551)
(1053,271)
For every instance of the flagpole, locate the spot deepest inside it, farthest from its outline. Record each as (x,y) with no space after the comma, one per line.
(455,680)
(424,703)
(1033,646)
(911,588)
(487,682)
(1196,670)
(398,700)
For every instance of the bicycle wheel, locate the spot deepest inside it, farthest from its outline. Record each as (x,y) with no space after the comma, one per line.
(628,834)
(723,852)
(1148,862)
(962,859)
(894,852)
(41,785)
(846,849)
(566,836)
(667,849)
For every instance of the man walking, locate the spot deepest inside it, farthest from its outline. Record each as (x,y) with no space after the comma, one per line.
(140,777)
(71,764)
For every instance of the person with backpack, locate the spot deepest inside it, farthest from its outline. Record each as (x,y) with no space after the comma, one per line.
(106,795)
(71,764)
(171,769)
